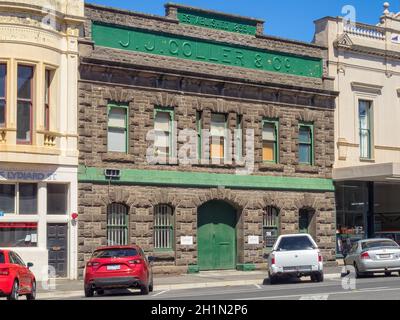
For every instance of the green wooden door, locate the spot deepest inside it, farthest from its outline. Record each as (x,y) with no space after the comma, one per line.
(216,234)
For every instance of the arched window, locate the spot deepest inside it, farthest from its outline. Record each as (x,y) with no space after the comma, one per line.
(163,227)
(270,226)
(117,224)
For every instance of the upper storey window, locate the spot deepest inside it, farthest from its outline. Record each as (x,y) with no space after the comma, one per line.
(3,75)
(24,104)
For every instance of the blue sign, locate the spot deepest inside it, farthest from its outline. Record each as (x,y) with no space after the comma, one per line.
(1,214)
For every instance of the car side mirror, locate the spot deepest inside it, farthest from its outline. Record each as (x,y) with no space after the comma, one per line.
(266,255)
(29,265)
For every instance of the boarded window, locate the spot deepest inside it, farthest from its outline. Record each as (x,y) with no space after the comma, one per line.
(218,136)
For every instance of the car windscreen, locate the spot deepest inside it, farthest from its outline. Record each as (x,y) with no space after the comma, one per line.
(2,258)
(115,253)
(295,243)
(379,244)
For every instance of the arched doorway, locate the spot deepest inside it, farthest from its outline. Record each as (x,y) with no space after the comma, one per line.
(216,236)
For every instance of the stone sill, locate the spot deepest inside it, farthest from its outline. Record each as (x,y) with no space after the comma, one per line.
(264,166)
(219,166)
(164,255)
(117,157)
(306,169)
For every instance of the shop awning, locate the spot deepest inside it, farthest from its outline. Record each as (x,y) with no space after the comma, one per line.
(383,172)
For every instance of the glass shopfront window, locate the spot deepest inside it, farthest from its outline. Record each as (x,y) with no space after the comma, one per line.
(57,199)
(351,208)
(13,235)
(387,211)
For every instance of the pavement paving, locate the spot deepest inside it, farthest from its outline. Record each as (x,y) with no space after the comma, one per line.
(209,279)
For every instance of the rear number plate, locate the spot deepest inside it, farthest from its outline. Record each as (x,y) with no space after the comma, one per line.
(385,256)
(114,267)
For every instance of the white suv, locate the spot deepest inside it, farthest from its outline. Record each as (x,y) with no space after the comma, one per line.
(295,255)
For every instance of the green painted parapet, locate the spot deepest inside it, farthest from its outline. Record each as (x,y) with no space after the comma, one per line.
(187,48)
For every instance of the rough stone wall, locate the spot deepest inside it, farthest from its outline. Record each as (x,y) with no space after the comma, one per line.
(94,98)
(93,201)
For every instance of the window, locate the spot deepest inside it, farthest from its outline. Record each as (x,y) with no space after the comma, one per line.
(364,113)
(217,136)
(7,198)
(24,104)
(27,198)
(163,122)
(270,226)
(47,86)
(3,89)
(239,138)
(18,235)
(115,253)
(57,198)
(199,126)
(270,141)
(2,257)
(306,150)
(295,243)
(117,224)
(163,227)
(117,129)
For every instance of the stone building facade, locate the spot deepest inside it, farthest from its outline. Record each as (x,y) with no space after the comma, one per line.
(38,132)
(193,65)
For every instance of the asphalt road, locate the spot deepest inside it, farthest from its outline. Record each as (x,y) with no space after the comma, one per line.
(377,288)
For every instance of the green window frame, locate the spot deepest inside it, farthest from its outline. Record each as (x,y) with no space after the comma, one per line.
(239,138)
(164,228)
(306,143)
(171,116)
(271,226)
(115,128)
(117,224)
(222,138)
(365,133)
(274,124)
(199,127)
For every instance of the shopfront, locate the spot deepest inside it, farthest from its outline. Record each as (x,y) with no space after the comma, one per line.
(366,210)
(35,217)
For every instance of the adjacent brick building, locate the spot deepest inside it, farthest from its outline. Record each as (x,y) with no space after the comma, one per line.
(201,70)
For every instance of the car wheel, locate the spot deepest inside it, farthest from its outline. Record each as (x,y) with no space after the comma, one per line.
(32,295)
(359,274)
(144,290)
(100,292)
(272,279)
(151,286)
(14,293)
(89,291)
(320,277)
(388,274)
(313,278)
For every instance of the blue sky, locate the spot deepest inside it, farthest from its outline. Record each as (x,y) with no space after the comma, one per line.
(291,19)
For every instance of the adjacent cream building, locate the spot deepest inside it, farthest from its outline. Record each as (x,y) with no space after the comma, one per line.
(38,132)
(364,65)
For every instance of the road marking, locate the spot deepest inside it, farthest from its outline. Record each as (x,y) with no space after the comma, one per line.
(329,293)
(323,297)
(258,286)
(160,293)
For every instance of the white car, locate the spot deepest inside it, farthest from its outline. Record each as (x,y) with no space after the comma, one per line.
(295,255)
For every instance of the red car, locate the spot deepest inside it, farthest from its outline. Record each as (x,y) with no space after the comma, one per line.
(15,277)
(118,267)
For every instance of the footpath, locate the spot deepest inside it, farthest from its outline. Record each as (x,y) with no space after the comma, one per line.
(208,279)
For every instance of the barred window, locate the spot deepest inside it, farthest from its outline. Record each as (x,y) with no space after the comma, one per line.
(270,226)
(163,227)
(117,224)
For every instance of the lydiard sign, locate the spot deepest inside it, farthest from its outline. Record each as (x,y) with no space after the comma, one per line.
(171,45)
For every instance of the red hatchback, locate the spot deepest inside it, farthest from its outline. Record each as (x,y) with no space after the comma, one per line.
(15,277)
(118,267)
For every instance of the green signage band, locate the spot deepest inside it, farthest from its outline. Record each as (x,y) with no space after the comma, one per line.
(205,180)
(207,20)
(204,51)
